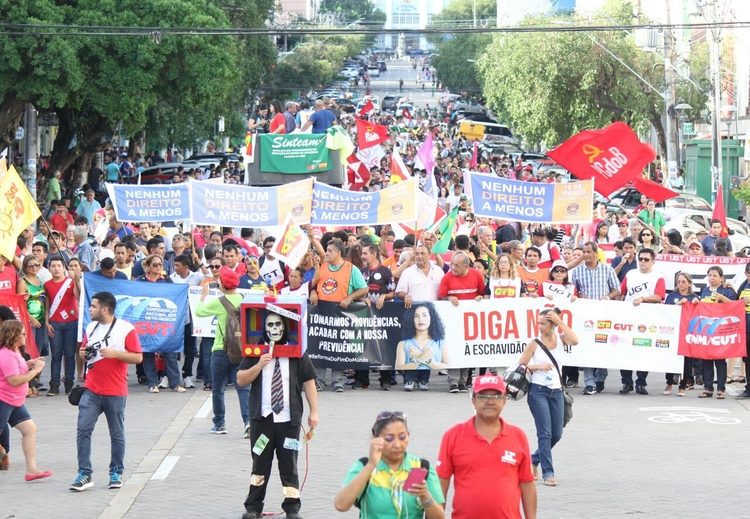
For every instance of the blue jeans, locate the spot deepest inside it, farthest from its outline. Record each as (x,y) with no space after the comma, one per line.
(627,377)
(170,361)
(64,344)
(222,371)
(206,344)
(41,339)
(89,409)
(593,375)
(335,376)
(547,408)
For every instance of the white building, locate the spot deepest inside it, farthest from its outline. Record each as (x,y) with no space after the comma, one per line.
(288,11)
(408,14)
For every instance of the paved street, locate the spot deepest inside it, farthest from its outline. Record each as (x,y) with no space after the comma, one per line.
(613,461)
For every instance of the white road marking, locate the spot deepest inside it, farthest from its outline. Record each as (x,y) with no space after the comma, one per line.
(205,409)
(165,468)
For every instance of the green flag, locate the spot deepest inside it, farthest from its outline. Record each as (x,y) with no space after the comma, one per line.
(445,232)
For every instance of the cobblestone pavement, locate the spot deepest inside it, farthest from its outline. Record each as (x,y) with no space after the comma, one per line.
(619,457)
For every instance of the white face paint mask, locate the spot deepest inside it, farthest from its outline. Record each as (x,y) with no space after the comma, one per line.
(274,327)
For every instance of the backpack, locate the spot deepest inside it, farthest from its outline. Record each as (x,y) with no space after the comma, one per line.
(232,332)
(425,464)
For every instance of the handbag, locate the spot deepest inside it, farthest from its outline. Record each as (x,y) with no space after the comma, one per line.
(74,397)
(568,410)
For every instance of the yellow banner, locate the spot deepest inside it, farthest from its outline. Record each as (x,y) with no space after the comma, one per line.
(17,211)
(470,130)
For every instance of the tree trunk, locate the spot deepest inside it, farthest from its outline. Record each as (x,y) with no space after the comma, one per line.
(661,139)
(11,112)
(82,167)
(136,144)
(62,154)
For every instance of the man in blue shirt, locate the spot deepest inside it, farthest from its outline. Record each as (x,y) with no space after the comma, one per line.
(321,119)
(628,261)
(710,240)
(108,270)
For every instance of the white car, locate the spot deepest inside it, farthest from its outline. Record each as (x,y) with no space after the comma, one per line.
(400,109)
(691,220)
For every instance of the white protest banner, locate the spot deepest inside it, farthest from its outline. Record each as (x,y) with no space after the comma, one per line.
(206,326)
(697,266)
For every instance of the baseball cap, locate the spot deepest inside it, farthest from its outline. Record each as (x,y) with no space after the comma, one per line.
(229,278)
(696,243)
(702,231)
(559,263)
(485,382)
(539,232)
(528,167)
(463,197)
(623,221)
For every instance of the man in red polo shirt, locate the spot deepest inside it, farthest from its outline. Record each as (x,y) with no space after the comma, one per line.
(489,460)
(462,283)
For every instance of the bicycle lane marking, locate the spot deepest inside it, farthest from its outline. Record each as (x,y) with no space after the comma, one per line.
(682,414)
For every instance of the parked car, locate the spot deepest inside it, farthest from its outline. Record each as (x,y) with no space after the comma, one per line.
(160,173)
(630,198)
(345,105)
(692,220)
(389,103)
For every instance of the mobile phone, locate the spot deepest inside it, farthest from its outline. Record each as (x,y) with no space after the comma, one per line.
(416,476)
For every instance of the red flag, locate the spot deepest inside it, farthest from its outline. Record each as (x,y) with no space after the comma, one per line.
(399,173)
(474,160)
(369,134)
(612,156)
(18,305)
(720,214)
(713,331)
(655,191)
(366,109)
(357,173)
(406,113)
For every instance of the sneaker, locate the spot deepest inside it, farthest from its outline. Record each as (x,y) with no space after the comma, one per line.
(744,394)
(422,386)
(350,382)
(588,390)
(453,388)
(358,385)
(252,515)
(188,382)
(641,390)
(40,387)
(247,432)
(409,386)
(443,372)
(571,383)
(142,380)
(599,387)
(4,459)
(153,389)
(394,382)
(462,388)
(179,389)
(82,482)
(115,480)
(319,384)
(218,429)
(68,386)
(338,388)
(626,388)
(385,387)
(54,389)
(164,383)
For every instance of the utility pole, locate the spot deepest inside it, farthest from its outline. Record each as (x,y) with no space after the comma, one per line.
(716,170)
(669,102)
(30,152)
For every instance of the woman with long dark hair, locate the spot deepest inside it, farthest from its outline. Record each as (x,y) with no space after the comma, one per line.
(278,123)
(546,392)
(421,347)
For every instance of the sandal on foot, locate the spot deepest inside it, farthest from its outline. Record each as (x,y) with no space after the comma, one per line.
(720,395)
(667,390)
(706,394)
(550,482)
(681,392)
(535,471)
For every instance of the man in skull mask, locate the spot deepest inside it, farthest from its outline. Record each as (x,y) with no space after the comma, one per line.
(277,408)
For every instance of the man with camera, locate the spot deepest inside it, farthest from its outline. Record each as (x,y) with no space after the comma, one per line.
(109,345)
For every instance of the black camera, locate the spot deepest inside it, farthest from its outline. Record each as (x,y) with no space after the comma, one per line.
(90,350)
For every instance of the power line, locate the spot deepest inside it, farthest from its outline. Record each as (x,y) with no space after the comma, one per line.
(16,29)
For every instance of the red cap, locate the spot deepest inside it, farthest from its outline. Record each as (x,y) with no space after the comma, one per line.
(696,243)
(623,221)
(229,278)
(485,382)
(529,167)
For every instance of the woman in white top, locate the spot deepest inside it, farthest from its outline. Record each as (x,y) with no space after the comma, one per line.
(504,282)
(545,393)
(296,286)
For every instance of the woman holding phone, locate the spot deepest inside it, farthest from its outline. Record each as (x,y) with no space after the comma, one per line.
(391,483)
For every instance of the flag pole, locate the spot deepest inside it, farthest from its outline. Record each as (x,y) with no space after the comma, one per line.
(52,237)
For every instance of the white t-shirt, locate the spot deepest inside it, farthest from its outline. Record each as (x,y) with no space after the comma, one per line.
(550,378)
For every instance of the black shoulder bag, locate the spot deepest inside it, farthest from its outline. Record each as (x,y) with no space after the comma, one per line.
(568,413)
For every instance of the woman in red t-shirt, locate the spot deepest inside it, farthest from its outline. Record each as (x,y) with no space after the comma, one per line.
(278,124)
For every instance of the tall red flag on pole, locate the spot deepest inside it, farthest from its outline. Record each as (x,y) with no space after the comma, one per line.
(720,214)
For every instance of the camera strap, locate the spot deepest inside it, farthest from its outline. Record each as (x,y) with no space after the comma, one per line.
(104,339)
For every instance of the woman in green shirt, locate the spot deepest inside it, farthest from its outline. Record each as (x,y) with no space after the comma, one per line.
(376,484)
(652,217)
(37,296)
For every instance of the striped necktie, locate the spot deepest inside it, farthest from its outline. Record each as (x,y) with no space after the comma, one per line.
(277,388)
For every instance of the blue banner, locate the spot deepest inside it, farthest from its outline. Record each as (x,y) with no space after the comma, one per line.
(231,205)
(394,204)
(494,197)
(134,203)
(156,310)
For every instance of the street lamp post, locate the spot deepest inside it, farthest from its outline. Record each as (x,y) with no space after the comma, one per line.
(681,109)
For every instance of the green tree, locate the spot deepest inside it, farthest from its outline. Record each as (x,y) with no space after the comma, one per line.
(549,86)
(460,13)
(456,64)
(353,10)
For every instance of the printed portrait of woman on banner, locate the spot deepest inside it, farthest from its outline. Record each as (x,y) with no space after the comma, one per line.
(422,334)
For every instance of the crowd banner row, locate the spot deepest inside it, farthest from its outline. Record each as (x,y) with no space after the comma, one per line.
(670,265)
(491,333)
(152,203)
(496,197)
(156,310)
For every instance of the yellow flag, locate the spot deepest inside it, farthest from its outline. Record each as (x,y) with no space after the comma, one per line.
(17,211)
(3,168)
